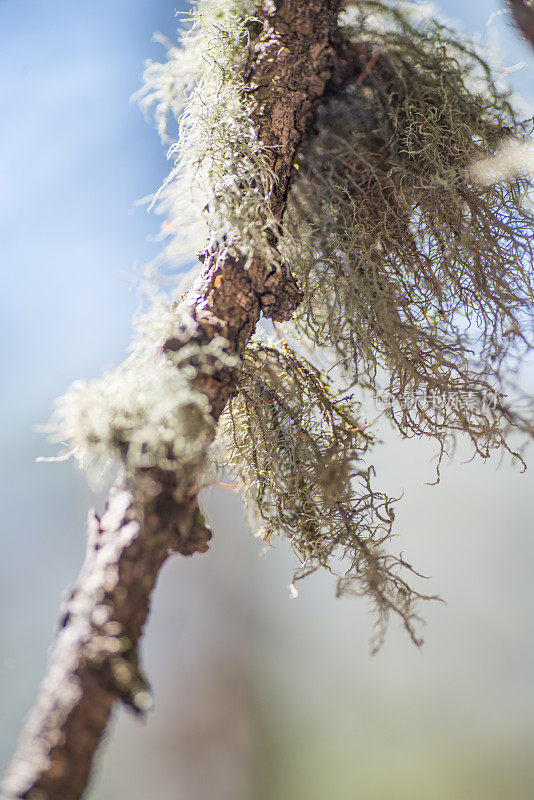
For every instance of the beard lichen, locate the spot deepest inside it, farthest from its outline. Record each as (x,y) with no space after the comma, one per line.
(298,449)
(411,271)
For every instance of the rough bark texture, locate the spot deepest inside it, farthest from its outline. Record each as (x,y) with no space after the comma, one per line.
(298,54)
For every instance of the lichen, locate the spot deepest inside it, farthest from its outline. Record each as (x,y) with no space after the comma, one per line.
(299,450)
(415,275)
(146,412)
(220,183)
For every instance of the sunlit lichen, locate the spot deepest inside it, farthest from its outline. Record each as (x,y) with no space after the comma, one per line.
(416,275)
(412,271)
(221,180)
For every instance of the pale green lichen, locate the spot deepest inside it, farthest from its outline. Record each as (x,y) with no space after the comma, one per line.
(147,415)
(220,183)
(146,412)
(411,270)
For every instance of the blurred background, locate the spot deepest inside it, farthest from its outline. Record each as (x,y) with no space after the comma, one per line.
(257,696)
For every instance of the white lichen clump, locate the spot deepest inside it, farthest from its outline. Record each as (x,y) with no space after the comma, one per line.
(220,183)
(514,158)
(146,415)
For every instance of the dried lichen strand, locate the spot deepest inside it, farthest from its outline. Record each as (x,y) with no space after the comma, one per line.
(297,447)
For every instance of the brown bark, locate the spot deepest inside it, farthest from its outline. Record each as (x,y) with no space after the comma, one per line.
(298,52)
(523,13)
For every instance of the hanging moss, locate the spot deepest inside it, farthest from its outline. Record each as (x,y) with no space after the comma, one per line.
(299,450)
(415,275)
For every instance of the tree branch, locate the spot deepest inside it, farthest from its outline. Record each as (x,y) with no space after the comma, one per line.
(297,53)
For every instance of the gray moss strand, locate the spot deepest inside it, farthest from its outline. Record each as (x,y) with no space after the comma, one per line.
(135,536)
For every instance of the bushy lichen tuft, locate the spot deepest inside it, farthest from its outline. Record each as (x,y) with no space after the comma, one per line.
(146,412)
(298,448)
(221,181)
(145,415)
(411,269)
(415,276)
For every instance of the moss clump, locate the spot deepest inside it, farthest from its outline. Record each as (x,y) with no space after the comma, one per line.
(412,273)
(299,450)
